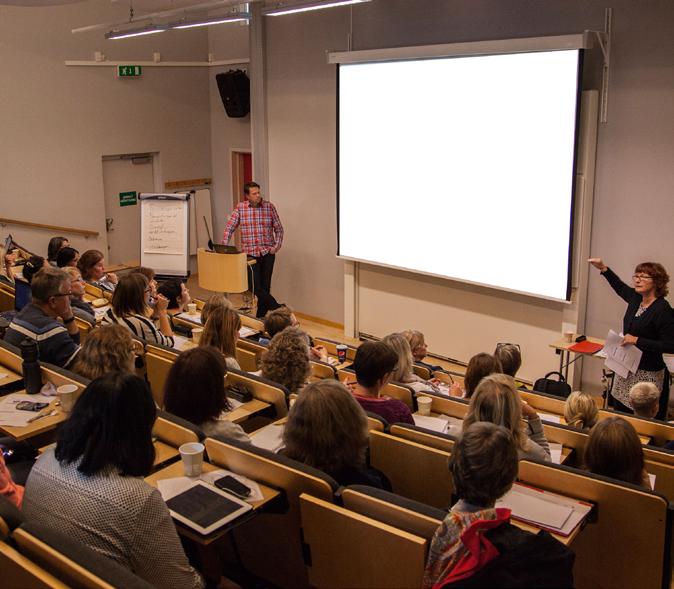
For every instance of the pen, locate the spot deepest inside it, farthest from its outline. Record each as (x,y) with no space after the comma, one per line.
(43,413)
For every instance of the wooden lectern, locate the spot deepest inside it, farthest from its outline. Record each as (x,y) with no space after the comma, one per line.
(222,272)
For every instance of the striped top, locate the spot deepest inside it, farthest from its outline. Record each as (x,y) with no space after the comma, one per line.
(140,327)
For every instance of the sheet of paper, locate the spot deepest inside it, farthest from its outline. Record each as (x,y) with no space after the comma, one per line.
(163,227)
(534,507)
(247,331)
(555,453)
(172,487)
(196,318)
(433,423)
(13,417)
(621,359)
(269,437)
(182,343)
(651,480)
(549,417)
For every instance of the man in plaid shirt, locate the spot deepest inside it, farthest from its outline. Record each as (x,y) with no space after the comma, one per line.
(261,238)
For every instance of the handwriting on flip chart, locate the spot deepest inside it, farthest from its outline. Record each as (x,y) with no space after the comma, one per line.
(164,228)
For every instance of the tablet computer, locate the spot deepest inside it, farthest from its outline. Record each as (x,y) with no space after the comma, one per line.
(205,508)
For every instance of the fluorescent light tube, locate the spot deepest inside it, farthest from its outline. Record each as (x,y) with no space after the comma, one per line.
(146,30)
(241,16)
(310,6)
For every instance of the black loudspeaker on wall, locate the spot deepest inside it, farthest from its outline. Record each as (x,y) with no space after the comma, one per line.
(234,87)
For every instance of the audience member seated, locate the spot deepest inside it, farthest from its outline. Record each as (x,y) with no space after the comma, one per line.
(278,319)
(54,247)
(614,450)
(286,360)
(150,274)
(645,399)
(403,372)
(327,429)
(130,309)
(7,270)
(177,294)
(213,302)
(92,267)
(221,331)
(374,364)
(81,308)
(67,256)
(479,366)
(109,348)
(476,546)
(510,358)
(580,411)
(57,342)
(195,391)
(32,267)
(8,488)
(91,487)
(417,343)
(496,400)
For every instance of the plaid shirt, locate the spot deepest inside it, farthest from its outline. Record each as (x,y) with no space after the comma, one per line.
(261,229)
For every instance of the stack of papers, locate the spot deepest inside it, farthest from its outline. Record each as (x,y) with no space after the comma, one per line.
(550,511)
(549,417)
(621,359)
(196,318)
(269,437)
(443,424)
(247,331)
(13,417)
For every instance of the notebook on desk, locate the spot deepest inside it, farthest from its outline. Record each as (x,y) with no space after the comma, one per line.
(549,511)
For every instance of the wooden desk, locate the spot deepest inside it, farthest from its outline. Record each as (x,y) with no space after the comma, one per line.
(38,427)
(246,410)
(562,346)
(9,376)
(176,470)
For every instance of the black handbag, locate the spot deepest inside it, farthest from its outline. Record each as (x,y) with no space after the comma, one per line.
(559,388)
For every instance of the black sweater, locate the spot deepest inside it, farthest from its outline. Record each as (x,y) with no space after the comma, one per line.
(654,328)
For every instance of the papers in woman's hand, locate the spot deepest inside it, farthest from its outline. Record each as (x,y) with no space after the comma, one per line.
(621,359)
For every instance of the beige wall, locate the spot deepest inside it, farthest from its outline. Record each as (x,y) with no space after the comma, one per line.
(57,122)
(633,205)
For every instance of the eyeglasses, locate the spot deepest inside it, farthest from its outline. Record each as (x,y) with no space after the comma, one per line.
(62,294)
(504,345)
(641,277)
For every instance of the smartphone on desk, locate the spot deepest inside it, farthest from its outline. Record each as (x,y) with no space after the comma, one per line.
(30,406)
(231,485)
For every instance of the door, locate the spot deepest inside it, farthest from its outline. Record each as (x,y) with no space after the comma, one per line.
(124,178)
(242,172)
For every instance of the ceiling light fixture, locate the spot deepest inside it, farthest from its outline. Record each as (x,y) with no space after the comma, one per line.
(237,17)
(292,9)
(150,29)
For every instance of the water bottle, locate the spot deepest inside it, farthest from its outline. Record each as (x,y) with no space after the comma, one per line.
(32,375)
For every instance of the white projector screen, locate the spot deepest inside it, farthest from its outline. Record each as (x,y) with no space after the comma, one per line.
(461,167)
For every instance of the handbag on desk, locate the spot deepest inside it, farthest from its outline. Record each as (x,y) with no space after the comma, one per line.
(559,388)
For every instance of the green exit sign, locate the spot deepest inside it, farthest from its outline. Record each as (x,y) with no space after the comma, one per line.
(129,71)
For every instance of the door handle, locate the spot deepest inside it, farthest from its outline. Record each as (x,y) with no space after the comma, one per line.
(108,224)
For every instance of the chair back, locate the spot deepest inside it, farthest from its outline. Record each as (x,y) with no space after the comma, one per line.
(265,390)
(321,370)
(19,572)
(416,471)
(275,535)
(340,545)
(376,422)
(452,406)
(423,436)
(158,362)
(252,322)
(400,391)
(331,347)
(421,371)
(175,431)
(6,298)
(626,516)
(247,359)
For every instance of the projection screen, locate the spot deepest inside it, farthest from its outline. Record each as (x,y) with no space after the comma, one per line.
(461,167)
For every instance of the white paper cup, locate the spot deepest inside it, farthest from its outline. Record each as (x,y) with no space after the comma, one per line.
(66,396)
(192,455)
(192,308)
(196,335)
(568,336)
(424,405)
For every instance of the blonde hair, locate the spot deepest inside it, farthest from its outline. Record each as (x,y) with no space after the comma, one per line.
(644,397)
(495,400)
(403,369)
(414,338)
(580,411)
(222,330)
(72,271)
(106,349)
(214,302)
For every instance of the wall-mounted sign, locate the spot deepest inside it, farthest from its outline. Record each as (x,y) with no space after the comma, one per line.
(128,198)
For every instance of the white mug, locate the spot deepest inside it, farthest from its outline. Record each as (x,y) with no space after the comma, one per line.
(66,396)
